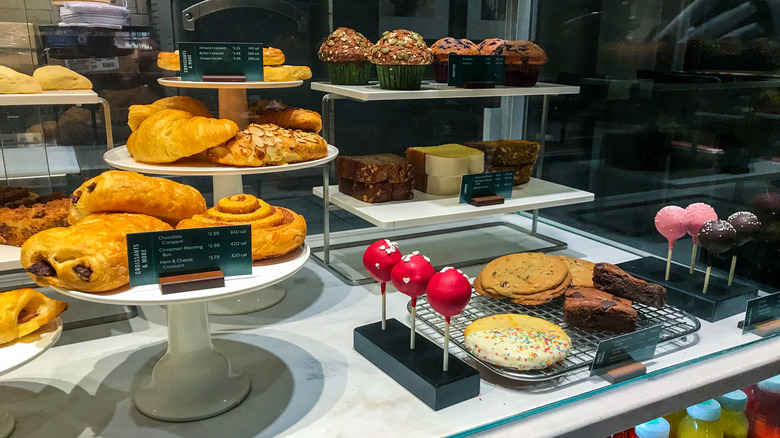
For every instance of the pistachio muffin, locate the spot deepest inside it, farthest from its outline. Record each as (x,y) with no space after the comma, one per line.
(400,57)
(346,53)
(442,50)
(491,46)
(523,60)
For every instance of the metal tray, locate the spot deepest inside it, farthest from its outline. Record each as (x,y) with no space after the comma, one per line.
(675,322)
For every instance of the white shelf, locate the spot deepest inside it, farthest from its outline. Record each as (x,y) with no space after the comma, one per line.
(9,257)
(248,85)
(55,97)
(427,209)
(432,90)
(264,274)
(121,159)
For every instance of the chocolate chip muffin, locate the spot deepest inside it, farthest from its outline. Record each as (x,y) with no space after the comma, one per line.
(523,60)
(442,50)
(400,57)
(346,53)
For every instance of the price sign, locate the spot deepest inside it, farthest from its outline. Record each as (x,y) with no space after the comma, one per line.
(164,253)
(637,346)
(761,310)
(486,184)
(463,69)
(198,59)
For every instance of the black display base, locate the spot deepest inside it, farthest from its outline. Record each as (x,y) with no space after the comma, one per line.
(418,370)
(684,290)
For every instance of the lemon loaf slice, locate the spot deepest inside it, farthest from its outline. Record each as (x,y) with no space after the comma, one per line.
(446,160)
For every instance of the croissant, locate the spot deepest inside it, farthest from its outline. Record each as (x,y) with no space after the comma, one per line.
(119,191)
(23,311)
(269,145)
(139,113)
(172,134)
(57,77)
(274,111)
(283,73)
(90,256)
(275,231)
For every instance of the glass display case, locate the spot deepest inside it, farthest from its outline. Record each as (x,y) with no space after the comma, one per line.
(605,173)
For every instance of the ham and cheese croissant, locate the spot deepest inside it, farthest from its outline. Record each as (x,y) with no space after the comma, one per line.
(23,311)
(269,145)
(90,256)
(119,191)
(275,231)
(139,113)
(171,134)
(274,111)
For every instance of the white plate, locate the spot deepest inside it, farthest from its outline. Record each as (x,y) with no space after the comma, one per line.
(264,274)
(17,353)
(119,157)
(177,82)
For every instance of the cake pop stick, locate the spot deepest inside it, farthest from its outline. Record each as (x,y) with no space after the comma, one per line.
(698,214)
(716,236)
(672,222)
(379,259)
(449,291)
(746,225)
(411,276)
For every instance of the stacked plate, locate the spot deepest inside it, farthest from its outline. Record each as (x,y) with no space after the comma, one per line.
(93,14)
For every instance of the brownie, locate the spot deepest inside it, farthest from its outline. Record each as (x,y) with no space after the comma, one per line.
(592,309)
(378,192)
(507,152)
(618,282)
(373,169)
(522,173)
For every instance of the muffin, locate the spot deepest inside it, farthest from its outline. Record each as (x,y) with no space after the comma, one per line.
(491,46)
(524,61)
(346,54)
(442,50)
(400,57)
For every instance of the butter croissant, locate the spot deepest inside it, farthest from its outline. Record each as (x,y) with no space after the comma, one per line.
(275,231)
(171,134)
(23,311)
(269,145)
(276,112)
(119,191)
(90,256)
(139,113)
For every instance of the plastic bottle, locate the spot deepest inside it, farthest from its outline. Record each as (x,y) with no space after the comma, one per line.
(674,420)
(658,428)
(733,421)
(701,421)
(763,409)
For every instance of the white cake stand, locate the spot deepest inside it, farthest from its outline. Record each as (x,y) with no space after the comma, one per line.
(194,380)
(15,354)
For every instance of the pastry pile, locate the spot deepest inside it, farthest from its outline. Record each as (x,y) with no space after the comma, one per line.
(23,311)
(48,77)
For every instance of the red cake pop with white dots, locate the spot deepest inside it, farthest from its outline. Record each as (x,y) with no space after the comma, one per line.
(412,274)
(449,291)
(379,259)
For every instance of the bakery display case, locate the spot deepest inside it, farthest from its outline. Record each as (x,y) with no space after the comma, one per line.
(320,219)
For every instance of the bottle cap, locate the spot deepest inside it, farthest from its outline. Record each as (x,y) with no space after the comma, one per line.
(706,411)
(658,428)
(770,385)
(733,401)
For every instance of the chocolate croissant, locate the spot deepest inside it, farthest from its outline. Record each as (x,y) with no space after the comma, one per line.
(275,231)
(23,311)
(274,111)
(269,145)
(138,113)
(119,191)
(90,256)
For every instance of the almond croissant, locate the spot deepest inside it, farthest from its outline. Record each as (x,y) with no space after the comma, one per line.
(269,145)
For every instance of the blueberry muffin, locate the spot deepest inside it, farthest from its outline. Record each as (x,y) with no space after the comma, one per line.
(441,53)
(523,60)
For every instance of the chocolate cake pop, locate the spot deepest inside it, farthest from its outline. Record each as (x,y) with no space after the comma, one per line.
(698,213)
(672,222)
(379,259)
(746,225)
(449,291)
(716,236)
(411,276)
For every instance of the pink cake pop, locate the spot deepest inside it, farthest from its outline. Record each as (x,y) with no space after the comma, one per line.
(379,259)
(449,291)
(411,276)
(698,214)
(672,222)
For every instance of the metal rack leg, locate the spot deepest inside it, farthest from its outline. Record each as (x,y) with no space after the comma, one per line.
(107,123)
(326,213)
(540,161)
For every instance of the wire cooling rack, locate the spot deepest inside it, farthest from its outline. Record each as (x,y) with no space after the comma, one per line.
(675,322)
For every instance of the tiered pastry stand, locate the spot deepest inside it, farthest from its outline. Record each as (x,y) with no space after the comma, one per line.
(21,352)
(226,180)
(194,380)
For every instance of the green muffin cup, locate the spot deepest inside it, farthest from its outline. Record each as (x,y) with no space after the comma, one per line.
(400,77)
(349,73)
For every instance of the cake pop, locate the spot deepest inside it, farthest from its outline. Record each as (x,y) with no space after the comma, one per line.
(672,222)
(716,236)
(698,214)
(746,224)
(411,276)
(379,259)
(449,291)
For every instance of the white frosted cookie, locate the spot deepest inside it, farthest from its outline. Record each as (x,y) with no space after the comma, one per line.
(517,341)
